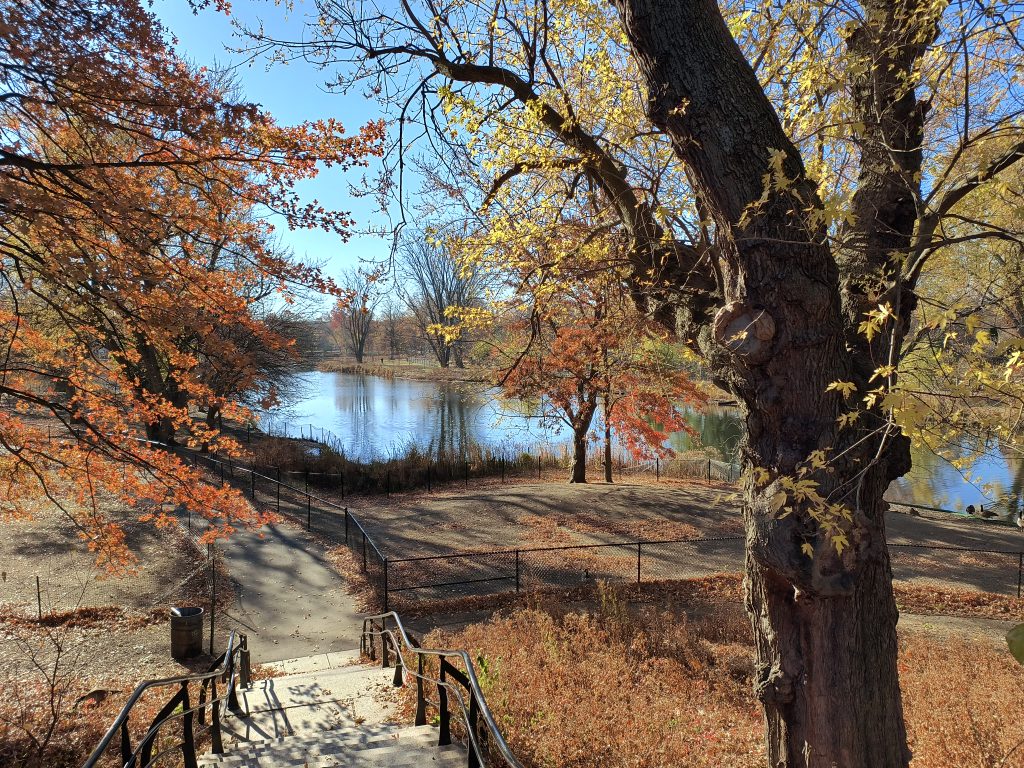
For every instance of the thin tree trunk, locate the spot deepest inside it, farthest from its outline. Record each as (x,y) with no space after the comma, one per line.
(579,456)
(607,439)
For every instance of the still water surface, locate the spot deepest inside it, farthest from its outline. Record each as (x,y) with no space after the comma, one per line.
(376,417)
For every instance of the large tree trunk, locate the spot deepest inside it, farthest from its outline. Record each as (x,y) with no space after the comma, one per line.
(581,422)
(819,595)
(826,663)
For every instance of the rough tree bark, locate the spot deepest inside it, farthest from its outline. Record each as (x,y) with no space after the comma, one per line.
(824,626)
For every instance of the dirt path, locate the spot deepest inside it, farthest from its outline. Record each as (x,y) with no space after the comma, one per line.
(289,601)
(544,515)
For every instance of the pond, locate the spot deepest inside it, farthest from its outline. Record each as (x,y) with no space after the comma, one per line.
(374,417)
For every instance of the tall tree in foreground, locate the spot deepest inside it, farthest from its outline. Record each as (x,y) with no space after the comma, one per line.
(124,172)
(809,334)
(785,176)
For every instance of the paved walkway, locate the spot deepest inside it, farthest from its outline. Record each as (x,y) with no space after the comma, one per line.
(290,602)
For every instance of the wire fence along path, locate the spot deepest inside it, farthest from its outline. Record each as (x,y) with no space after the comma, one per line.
(401,581)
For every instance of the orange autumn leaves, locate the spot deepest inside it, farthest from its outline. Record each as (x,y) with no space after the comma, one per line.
(134,242)
(590,352)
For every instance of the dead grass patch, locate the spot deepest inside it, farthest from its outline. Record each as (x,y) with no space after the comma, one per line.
(627,684)
(87,617)
(950,601)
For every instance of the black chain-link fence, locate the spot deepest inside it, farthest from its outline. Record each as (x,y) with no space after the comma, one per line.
(305,507)
(401,580)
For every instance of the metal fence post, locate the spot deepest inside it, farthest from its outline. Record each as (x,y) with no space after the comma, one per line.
(386,589)
(1020,570)
(39,600)
(638,562)
(421,700)
(211,554)
(709,471)
(444,736)
(538,466)
(657,468)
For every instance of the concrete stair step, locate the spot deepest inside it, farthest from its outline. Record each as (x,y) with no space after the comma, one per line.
(332,660)
(404,756)
(325,700)
(348,735)
(322,717)
(311,687)
(327,713)
(315,746)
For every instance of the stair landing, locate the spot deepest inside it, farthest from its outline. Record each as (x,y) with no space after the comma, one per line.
(327,711)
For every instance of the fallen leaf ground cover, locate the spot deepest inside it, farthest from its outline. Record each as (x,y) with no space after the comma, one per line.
(71,653)
(626,681)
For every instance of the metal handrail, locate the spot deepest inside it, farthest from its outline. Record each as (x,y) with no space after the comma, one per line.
(477,705)
(224,668)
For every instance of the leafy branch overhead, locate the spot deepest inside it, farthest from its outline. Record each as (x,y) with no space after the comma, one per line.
(136,262)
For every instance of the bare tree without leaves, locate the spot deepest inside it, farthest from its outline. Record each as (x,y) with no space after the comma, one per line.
(435,282)
(353,319)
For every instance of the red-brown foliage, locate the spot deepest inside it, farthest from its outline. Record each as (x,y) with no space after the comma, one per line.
(134,189)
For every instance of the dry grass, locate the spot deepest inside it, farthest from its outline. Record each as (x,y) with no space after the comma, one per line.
(564,528)
(411,469)
(632,685)
(962,704)
(951,601)
(418,370)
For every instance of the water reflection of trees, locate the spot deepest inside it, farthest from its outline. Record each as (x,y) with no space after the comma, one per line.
(354,397)
(453,419)
(993,476)
(718,430)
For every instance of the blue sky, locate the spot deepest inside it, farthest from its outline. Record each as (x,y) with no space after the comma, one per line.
(292,92)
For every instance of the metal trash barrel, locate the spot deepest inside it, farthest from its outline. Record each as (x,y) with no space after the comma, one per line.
(186,632)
